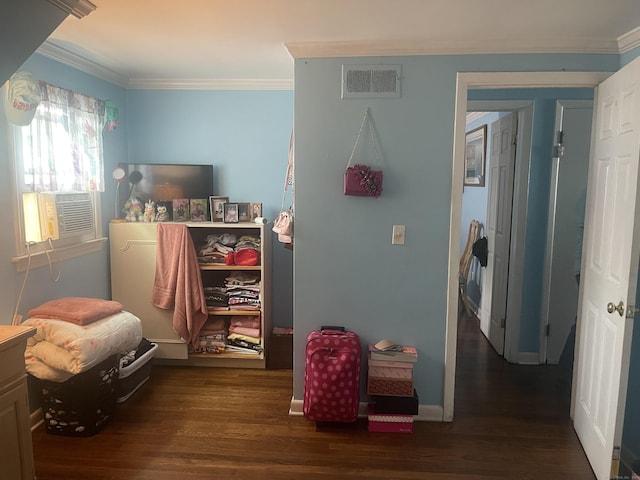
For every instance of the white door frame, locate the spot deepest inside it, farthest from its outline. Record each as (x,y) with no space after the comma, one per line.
(464,82)
(524,110)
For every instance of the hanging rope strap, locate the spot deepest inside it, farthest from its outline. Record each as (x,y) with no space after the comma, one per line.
(366,119)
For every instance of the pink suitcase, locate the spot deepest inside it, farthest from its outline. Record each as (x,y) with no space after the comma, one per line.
(332,376)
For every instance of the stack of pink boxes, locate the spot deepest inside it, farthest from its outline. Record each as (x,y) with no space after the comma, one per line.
(394,400)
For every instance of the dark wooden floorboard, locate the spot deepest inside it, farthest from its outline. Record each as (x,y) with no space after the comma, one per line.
(188,423)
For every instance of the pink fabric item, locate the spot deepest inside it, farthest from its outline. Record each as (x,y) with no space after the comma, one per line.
(177,282)
(251,332)
(214,324)
(249,321)
(78,310)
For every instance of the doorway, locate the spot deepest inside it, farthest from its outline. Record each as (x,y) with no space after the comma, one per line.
(484,80)
(503,336)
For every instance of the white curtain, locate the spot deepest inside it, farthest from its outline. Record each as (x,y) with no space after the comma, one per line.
(62,148)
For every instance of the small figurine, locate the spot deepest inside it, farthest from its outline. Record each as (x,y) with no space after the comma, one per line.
(162,215)
(149,211)
(133,210)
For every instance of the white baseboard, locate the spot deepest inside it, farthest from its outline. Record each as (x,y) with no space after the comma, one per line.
(529,358)
(426,413)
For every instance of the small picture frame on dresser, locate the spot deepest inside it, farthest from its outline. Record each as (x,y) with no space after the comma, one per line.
(231,213)
(216,204)
(181,210)
(255,210)
(198,209)
(244,212)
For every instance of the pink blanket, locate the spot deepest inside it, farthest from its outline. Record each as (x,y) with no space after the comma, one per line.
(78,310)
(177,282)
(252,332)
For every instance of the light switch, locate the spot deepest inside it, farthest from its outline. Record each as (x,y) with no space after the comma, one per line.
(398,235)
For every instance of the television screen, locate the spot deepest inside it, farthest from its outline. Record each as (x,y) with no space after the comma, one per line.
(164,182)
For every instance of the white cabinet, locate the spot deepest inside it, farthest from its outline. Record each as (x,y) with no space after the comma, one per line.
(16,451)
(133,248)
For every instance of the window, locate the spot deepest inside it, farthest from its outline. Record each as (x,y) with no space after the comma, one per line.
(59,170)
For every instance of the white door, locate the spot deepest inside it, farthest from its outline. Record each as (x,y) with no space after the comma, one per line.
(566,218)
(498,230)
(609,270)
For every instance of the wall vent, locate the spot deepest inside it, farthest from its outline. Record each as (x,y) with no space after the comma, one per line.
(367,81)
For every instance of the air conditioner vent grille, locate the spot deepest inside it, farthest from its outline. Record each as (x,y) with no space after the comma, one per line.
(75,213)
(359,81)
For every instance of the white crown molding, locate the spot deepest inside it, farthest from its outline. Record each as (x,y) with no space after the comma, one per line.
(437,47)
(629,40)
(209,84)
(77,8)
(60,54)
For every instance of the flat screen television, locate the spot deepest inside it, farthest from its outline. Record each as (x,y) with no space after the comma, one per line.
(163,182)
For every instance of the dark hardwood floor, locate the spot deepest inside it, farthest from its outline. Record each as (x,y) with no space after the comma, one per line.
(188,423)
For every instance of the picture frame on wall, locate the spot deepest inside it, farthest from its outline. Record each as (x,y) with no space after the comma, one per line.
(244,212)
(475,157)
(230,212)
(255,210)
(216,205)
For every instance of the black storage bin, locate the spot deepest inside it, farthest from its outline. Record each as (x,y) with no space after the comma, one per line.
(82,405)
(133,375)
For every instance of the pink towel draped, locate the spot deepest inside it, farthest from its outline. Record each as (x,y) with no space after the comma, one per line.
(177,282)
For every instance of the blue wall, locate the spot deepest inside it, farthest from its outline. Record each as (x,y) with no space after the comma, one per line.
(82,276)
(243,134)
(346,270)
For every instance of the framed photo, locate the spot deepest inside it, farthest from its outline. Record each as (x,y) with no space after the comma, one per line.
(198,209)
(216,204)
(475,157)
(230,213)
(181,210)
(255,210)
(244,212)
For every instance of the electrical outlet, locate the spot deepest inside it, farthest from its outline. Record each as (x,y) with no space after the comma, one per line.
(398,235)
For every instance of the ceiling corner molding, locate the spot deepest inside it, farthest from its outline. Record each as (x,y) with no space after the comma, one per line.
(60,54)
(77,8)
(629,40)
(209,84)
(438,47)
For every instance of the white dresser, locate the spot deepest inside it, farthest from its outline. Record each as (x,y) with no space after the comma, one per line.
(16,451)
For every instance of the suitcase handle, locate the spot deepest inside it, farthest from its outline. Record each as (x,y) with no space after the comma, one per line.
(334,328)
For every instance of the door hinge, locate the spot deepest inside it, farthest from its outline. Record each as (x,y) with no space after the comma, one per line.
(632,310)
(558,151)
(558,147)
(547,329)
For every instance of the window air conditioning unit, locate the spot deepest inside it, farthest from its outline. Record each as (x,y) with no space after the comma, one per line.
(58,215)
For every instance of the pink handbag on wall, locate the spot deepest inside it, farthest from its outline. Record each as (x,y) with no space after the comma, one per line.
(361,180)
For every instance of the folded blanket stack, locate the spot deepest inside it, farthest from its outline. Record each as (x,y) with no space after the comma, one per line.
(212,338)
(74,334)
(244,332)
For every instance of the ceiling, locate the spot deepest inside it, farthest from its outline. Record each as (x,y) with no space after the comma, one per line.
(252,43)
